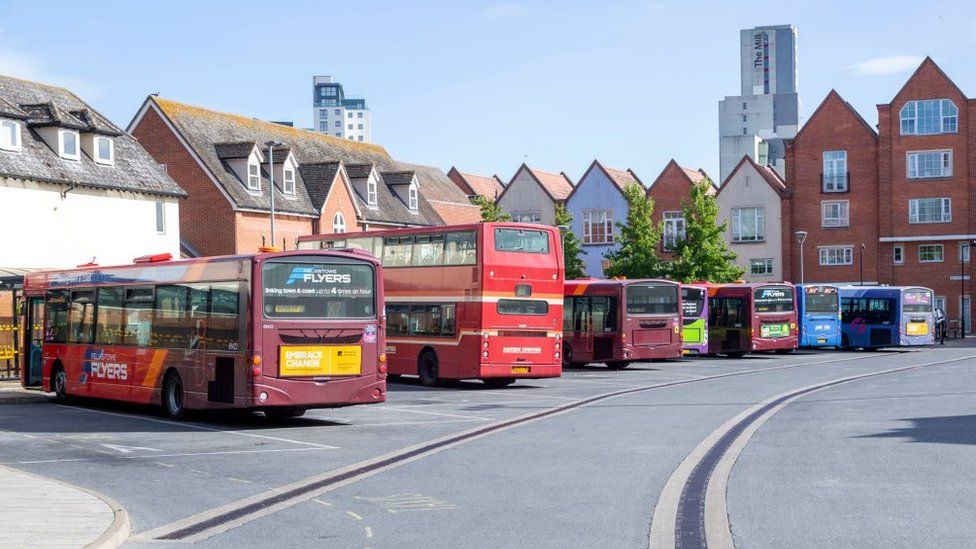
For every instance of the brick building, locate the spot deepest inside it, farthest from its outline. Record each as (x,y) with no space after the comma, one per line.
(323,184)
(671,188)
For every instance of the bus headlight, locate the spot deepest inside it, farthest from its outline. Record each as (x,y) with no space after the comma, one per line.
(557,345)
(485,354)
(556,355)
(485,345)
(263,397)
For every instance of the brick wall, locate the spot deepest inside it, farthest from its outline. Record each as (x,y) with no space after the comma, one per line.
(339,201)
(254,231)
(668,191)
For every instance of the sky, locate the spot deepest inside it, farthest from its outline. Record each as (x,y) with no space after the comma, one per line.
(485,85)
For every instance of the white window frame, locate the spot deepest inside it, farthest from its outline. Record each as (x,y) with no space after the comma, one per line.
(834,171)
(674,229)
(527,217)
(288,183)
(945,208)
(413,198)
(253,179)
(939,247)
(371,192)
(896,251)
(767,266)
(908,122)
(939,302)
(831,256)
(760,217)
(843,217)
(592,218)
(61,142)
(338,223)
(912,159)
(16,145)
(160,217)
(964,252)
(96,156)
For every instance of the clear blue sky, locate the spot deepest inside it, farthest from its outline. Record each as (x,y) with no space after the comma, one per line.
(484,85)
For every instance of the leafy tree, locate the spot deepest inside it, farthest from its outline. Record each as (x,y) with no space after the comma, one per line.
(490,210)
(639,238)
(703,254)
(571,245)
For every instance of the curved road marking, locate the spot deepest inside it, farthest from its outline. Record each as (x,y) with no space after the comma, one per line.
(691,511)
(225,517)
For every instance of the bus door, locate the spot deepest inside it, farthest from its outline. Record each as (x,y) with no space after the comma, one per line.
(582,329)
(603,314)
(33,341)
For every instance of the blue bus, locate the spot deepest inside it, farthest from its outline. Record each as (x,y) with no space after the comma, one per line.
(886,316)
(818,315)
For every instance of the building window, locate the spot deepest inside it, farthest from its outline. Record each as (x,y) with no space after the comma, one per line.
(744,131)
(338,134)
(762,266)
(743,119)
(743,106)
(360,126)
(930,210)
(350,114)
(352,138)
(338,223)
(323,114)
(289,185)
(253,176)
(597,227)
(748,225)
(963,252)
(323,126)
(338,112)
(349,127)
(68,142)
(360,138)
(412,193)
(837,255)
(929,164)
(9,136)
(359,114)
(104,150)
(939,303)
(338,123)
(898,254)
(371,192)
(527,217)
(835,171)
(674,229)
(930,253)
(835,213)
(929,117)
(160,217)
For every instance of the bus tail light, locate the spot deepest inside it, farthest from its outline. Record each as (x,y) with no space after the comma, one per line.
(256,365)
(383,359)
(382,367)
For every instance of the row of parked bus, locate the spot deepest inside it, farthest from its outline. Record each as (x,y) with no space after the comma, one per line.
(326,324)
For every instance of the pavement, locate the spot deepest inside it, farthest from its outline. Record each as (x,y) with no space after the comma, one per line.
(12,393)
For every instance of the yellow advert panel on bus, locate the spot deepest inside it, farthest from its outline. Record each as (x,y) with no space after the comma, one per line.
(320,360)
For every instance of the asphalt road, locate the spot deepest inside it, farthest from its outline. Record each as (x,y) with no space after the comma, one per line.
(586,460)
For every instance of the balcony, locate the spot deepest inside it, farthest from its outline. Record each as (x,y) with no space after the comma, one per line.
(835,182)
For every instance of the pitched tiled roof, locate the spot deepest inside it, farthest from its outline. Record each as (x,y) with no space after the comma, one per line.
(318,178)
(488,187)
(769,175)
(358,171)
(95,122)
(696,176)
(9,110)
(134,169)
(240,149)
(557,185)
(450,202)
(398,178)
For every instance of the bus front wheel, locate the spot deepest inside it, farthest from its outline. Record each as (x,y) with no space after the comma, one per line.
(427,369)
(173,396)
(59,384)
(617,364)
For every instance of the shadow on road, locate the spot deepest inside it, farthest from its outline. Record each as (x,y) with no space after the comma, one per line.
(936,430)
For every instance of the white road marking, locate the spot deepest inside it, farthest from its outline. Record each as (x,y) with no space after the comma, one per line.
(326,503)
(239,480)
(369,532)
(129,449)
(354,515)
(155,456)
(442,414)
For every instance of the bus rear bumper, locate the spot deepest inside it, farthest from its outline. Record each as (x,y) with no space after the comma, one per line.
(759,344)
(305,393)
(641,352)
(520,371)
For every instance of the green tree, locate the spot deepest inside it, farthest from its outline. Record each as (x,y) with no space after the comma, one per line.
(571,245)
(703,254)
(490,210)
(639,238)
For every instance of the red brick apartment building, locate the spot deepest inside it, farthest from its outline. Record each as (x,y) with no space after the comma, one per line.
(893,206)
(322,184)
(672,188)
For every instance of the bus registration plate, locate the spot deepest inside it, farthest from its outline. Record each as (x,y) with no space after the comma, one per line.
(917,328)
(520,369)
(320,360)
(774,330)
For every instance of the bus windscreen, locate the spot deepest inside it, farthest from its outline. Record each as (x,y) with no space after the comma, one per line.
(821,299)
(773,299)
(917,301)
(318,290)
(692,302)
(522,240)
(651,299)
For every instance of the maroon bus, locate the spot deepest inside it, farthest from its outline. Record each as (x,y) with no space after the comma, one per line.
(745,318)
(278,332)
(621,321)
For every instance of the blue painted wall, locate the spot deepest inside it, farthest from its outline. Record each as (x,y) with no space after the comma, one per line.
(596,192)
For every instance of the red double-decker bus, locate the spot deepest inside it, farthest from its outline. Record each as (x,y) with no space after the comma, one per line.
(744,318)
(279,332)
(621,321)
(481,301)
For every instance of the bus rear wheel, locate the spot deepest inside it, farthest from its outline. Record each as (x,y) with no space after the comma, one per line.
(427,369)
(567,357)
(284,412)
(496,382)
(59,384)
(617,364)
(173,396)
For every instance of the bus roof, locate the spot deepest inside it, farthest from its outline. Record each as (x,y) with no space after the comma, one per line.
(579,285)
(425,230)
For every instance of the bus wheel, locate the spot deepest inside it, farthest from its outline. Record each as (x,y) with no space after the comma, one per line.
(495,382)
(567,357)
(59,384)
(617,364)
(427,369)
(284,412)
(173,396)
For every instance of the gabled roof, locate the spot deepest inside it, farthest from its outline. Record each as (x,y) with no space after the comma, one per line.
(620,178)
(359,171)
(319,178)
(767,173)
(280,154)
(399,178)
(831,97)
(9,110)
(240,149)
(926,64)
(450,202)
(133,170)
(96,123)
(488,187)
(557,186)
(693,176)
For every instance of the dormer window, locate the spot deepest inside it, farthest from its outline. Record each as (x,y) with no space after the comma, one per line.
(68,144)
(253,177)
(371,192)
(289,185)
(413,197)
(10,136)
(104,150)
(932,116)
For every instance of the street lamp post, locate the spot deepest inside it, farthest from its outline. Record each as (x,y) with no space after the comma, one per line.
(271,145)
(800,237)
(860,265)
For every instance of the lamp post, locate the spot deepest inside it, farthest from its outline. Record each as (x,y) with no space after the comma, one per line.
(860,265)
(271,145)
(800,237)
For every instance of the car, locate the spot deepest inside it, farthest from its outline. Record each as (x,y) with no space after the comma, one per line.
(941,325)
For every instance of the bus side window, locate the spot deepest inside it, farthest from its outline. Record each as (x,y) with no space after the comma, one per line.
(170,321)
(568,314)
(396,251)
(447,320)
(81,316)
(138,316)
(223,331)
(397,320)
(56,316)
(199,310)
(582,321)
(428,251)
(460,249)
(109,321)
